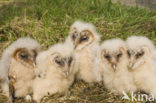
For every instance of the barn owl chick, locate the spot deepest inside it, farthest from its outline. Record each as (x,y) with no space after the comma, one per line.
(17,67)
(85,41)
(113,66)
(56,71)
(141,63)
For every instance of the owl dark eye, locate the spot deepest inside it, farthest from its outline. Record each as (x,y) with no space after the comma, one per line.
(24,56)
(138,55)
(119,55)
(74,36)
(107,57)
(83,38)
(59,62)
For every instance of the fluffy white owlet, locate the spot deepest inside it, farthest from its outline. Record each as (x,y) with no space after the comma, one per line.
(141,63)
(112,66)
(17,67)
(85,41)
(56,71)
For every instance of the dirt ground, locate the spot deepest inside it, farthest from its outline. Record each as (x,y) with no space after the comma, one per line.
(80,92)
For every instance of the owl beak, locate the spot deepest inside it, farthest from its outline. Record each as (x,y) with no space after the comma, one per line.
(76,43)
(66,71)
(114,67)
(131,65)
(34,64)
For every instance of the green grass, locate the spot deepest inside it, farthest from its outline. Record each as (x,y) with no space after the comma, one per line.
(48,21)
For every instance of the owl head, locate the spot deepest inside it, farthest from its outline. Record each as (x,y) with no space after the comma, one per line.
(113,54)
(24,51)
(59,59)
(82,35)
(140,50)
